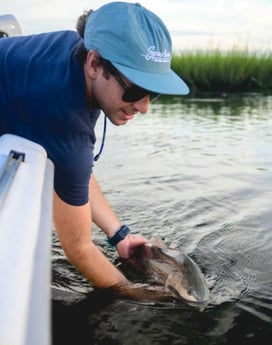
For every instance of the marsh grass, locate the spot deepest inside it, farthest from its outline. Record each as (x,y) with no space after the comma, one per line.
(225,72)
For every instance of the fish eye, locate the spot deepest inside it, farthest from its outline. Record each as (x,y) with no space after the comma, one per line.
(190,292)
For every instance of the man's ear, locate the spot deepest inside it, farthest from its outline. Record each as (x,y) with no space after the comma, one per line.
(93,63)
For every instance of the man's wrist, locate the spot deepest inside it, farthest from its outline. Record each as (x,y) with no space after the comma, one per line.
(120,234)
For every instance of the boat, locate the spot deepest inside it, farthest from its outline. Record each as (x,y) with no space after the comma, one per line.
(26,191)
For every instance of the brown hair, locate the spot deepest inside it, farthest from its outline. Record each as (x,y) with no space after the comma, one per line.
(81,22)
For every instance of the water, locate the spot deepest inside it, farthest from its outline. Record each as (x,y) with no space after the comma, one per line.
(198,173)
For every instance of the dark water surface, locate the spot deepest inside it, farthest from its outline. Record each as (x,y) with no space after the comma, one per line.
(197,172)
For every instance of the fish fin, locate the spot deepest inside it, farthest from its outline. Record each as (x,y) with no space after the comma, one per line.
(157,242)
(175,286)
(175,254)
(174,278)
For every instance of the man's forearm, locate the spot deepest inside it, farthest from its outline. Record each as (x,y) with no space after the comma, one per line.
(104,217)
(102,214)
(73,225)
(92,263)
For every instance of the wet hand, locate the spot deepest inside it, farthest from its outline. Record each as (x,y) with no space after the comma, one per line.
(129,244)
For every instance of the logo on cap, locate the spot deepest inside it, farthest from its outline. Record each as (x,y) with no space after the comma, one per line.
(157,56)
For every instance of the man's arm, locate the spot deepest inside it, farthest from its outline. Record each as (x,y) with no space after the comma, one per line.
(73,225)
(102,214)
(105,218)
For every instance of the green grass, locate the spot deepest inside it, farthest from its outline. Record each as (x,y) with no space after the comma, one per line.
(225,72)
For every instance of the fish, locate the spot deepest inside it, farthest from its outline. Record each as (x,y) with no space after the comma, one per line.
(168,272)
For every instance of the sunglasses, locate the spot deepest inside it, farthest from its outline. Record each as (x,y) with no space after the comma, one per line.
(132,93)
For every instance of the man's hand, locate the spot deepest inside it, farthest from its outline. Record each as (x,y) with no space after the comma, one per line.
(129,244)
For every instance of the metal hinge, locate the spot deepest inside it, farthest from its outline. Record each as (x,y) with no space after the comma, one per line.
(8,171)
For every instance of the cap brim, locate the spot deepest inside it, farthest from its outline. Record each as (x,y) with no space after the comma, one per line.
(163,83)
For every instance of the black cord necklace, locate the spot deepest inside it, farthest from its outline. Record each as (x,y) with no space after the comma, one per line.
(96,157)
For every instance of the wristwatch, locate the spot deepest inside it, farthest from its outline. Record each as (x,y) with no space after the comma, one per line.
(119,235)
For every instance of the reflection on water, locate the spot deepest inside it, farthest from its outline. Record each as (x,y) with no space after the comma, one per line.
(198,173)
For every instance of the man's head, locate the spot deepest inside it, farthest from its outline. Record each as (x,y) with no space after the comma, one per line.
(137,44)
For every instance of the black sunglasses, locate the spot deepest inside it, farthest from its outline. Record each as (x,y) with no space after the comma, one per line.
(132,93)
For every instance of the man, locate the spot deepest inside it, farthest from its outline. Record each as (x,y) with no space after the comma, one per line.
(52,88)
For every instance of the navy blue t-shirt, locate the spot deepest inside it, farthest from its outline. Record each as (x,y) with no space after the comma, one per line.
(43,99)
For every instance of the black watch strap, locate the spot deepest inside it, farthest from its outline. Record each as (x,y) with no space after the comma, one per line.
(119,235)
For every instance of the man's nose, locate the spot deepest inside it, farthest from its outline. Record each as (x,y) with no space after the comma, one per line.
(142,105)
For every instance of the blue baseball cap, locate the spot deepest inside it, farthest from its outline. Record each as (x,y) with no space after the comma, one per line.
(137,43)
